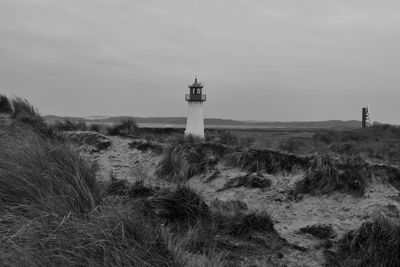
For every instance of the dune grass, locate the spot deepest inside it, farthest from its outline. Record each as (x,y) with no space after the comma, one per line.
(185,158)
(54,213)
(327,174)
(375,243)
(250,180)
(26,114)
(5,106)
(146,145)
(107,236)
(40,173)
(256,160)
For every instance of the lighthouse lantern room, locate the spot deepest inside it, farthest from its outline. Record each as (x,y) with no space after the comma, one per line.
(195,120)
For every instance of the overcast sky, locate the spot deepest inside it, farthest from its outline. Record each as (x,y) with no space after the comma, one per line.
(298,60)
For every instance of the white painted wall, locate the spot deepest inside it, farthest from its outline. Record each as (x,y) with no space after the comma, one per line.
(195,120)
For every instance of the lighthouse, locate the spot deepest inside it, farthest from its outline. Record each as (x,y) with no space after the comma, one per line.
(195,120)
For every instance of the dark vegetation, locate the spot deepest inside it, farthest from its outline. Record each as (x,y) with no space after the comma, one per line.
(250,180)
(375,243)
(322,231)
(27,115)
(5,106)
(327,174)
(270,161)
(200,228)
(146,145)
(185,158)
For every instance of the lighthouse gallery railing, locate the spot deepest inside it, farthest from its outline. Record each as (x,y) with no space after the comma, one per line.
(193,97)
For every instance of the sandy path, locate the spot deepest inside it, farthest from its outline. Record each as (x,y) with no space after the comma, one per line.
(124,162)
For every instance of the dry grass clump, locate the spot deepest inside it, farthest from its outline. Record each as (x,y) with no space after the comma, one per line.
(375,243)
(322,231)
(255,160)
(327,175)
(124,128)
(240,224)
(187,158)
(5,106)
(25,113)
(250,180)
(183,206)
(145,145)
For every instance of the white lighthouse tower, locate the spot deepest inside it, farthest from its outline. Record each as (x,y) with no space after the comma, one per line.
(195,120)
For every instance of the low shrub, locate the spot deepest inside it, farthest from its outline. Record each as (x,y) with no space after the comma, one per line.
(375,243)
(5,106)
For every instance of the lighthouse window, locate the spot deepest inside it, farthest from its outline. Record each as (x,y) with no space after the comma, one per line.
(193,91)
(198,91)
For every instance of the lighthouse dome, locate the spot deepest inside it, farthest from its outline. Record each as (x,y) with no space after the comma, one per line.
(196,84)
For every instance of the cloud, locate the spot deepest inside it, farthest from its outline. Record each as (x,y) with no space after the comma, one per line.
(277,60)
